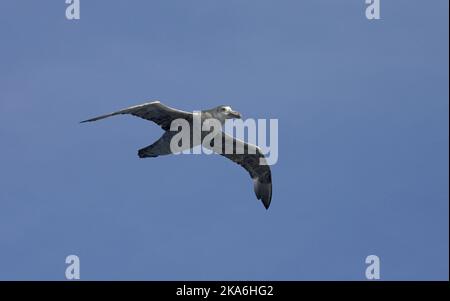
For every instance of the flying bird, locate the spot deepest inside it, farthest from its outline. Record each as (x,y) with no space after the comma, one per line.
(250,159)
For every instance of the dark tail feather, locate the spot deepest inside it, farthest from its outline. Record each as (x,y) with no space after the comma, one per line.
(161,147)
(146,152)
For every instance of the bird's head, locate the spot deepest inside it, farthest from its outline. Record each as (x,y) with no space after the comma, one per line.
(225,112)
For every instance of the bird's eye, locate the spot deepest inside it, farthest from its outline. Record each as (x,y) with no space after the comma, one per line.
(223,109)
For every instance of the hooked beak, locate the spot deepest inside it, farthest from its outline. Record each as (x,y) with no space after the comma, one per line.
(235,114)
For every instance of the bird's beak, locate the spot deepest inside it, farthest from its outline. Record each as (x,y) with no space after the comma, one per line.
(235,114)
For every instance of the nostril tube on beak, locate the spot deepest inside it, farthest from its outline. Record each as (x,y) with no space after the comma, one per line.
(236,114)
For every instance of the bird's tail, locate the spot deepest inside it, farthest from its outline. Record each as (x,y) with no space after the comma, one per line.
(147,152)
(160,148)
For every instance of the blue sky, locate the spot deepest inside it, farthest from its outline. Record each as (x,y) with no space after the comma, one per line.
(363,140)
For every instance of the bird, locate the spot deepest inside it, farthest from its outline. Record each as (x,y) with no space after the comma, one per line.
(252,159)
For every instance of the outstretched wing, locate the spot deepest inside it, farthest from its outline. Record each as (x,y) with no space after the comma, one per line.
(252,159)
(153,111)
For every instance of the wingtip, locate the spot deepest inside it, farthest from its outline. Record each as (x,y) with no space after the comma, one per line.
(266,202)
(89,120)
(263,192)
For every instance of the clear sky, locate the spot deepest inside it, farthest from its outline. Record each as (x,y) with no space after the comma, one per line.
(363,140)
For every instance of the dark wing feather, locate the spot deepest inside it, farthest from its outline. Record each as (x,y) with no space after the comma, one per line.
(153,111)
(253,160)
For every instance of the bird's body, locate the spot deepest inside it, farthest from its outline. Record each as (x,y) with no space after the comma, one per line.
(164,116)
